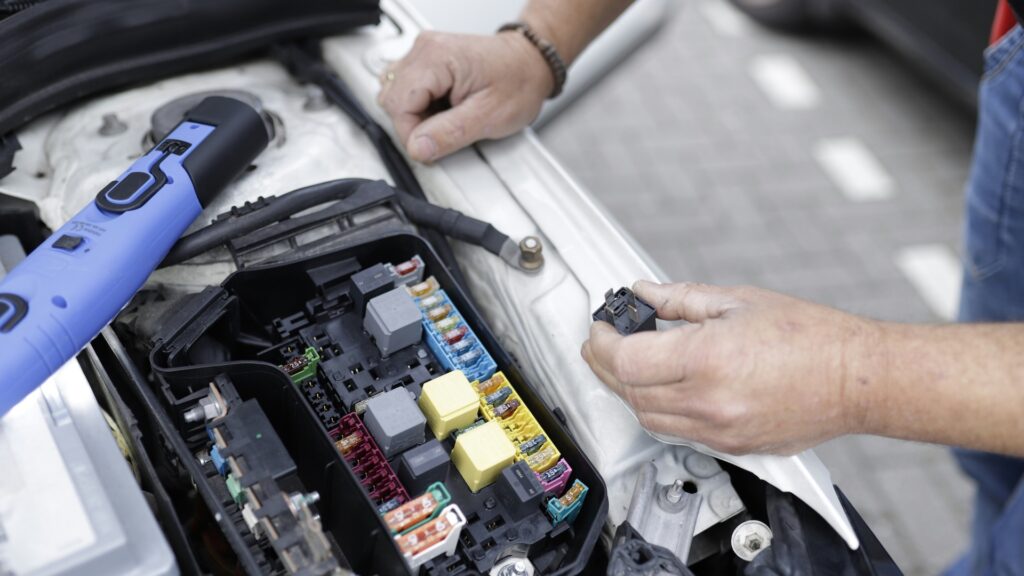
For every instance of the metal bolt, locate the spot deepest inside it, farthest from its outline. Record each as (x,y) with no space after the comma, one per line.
(753,542)
(675,492)
(531,253)
(112,125)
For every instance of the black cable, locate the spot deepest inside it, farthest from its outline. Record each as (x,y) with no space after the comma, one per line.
(453,223)
(267,211)
(264,212)
(306,63)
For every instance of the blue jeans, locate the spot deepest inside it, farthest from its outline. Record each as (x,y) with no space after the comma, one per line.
(993,291)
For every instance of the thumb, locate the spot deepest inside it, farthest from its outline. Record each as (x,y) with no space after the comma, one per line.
(688,301)
(448,131)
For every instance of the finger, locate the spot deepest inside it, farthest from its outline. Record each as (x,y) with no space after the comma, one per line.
(622,391)
(409,96)
(450,130)
(644,358)
(688,301)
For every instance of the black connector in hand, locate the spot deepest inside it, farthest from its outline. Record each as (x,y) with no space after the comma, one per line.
(626,312)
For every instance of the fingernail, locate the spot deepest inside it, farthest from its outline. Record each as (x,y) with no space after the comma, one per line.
(641,284)
(423,148)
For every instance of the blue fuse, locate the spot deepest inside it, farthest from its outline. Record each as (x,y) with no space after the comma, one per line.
(218,461)
(389,506)
(533,444)
(568,506)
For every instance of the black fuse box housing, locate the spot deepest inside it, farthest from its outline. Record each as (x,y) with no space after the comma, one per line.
(260,315)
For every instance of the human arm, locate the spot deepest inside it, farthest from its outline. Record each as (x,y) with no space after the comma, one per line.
(495,84)
(757,371)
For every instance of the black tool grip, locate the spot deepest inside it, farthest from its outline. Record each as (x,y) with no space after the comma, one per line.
(240,136)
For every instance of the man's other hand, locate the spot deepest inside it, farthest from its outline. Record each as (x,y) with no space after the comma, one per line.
(751,371)
(494,85)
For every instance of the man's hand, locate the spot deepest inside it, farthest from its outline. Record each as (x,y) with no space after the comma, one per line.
(753,371)
(494,84)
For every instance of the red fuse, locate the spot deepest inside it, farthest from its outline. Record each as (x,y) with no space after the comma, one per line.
(406,268)
(453,336)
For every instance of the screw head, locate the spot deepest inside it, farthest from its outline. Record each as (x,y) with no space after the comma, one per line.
(750,539)
(531,253)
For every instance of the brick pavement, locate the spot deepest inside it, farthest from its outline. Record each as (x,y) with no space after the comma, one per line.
(720,185)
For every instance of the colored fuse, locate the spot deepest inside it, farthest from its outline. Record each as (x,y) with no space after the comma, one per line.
(302,367)
(425,536)
(431,301)
(552,474)
(418,510)
(295,364)
(461,345)
(407,267)
(348,443)
(235,489)
(533,444)
(566,508)
(470,357)
(498,397)
(507,409)
(389,506)
(540,458)
(424,288)
(489,386)
(447,324)
(453,336)
(439,313)
(456,433)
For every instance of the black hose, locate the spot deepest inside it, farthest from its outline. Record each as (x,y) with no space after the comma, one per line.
(243,221)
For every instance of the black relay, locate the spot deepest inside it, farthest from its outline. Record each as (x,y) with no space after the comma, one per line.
(627,313)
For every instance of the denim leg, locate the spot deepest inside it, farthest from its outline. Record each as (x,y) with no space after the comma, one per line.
(993,290)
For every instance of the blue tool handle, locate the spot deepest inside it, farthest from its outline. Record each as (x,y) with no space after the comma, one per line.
(60,297)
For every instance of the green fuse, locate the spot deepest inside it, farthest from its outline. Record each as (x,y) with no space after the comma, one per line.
(235,489)
(567,507)
(302,367)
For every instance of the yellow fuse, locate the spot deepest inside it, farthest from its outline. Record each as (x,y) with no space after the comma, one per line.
(481,454)
(490,386)
(542,460)
(449,403)
(439,312)
(424,288)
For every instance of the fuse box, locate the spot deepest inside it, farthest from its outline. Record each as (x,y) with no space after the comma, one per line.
(361,393)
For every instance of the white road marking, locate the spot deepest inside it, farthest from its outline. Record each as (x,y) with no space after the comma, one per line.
(785,82)
(935,271)
(854,169)
(724,18)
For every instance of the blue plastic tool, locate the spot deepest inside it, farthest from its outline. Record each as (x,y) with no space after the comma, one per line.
(75,283)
